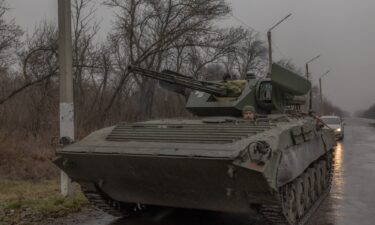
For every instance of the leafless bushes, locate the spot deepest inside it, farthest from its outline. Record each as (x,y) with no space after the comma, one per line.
(9,38)
(24,156)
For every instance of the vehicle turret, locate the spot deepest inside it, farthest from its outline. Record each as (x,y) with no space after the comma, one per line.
(227,98)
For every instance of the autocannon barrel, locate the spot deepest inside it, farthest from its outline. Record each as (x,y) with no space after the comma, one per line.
(181,80)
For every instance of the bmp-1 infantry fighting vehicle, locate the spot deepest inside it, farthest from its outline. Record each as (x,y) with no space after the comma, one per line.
(278,167)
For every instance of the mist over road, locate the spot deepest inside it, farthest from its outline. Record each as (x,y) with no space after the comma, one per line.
(351,201)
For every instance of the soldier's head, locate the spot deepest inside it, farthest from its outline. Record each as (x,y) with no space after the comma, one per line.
(227,77)
(248,112)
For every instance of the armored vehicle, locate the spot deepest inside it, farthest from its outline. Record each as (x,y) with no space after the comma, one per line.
(277,167)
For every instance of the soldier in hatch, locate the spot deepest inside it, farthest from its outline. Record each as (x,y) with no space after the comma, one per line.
(227,77)
(233,86)
(248,113)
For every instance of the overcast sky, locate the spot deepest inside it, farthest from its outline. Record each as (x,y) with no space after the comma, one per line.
(342,31)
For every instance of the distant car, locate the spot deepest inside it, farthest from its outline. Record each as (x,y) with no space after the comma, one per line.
(335,123)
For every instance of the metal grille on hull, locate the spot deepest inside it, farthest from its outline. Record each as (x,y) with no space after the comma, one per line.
(184,133)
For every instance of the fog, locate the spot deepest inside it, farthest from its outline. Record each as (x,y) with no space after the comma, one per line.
(341,31)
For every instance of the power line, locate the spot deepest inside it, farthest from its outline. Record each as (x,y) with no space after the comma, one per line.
(278,50)
(243,23)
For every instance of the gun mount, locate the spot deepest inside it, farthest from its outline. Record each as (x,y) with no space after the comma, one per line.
(227,98)
(175,78)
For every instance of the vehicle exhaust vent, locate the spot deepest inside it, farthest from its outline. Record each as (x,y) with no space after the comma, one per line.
(184,133)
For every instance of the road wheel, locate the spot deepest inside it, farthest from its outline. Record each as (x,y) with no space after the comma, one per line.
(329,159)
(312,192)
(306,191)
(290,203)
(300,200)
(318,179)
(324,175)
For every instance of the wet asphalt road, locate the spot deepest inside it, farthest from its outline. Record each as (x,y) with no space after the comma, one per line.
(351,201)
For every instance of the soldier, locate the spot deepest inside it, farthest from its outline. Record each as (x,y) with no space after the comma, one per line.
(234,86)
(248,113)
(227,77)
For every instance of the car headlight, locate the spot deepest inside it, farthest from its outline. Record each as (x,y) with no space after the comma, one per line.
(338,130)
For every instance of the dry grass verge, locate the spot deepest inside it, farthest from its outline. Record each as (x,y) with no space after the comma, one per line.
(26,202)
(24,156)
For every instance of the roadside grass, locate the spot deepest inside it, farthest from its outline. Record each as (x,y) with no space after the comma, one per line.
(28,202)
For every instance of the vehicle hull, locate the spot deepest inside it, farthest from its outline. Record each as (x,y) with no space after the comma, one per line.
(199,183)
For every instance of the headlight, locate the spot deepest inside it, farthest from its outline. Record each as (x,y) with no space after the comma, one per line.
(338,130)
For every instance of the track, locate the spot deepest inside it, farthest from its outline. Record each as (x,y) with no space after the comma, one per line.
(110,206)
(302,197)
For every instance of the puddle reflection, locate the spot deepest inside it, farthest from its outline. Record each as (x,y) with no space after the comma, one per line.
(329,211)
(338,178)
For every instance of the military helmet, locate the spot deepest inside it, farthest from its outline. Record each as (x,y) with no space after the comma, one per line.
(247,108)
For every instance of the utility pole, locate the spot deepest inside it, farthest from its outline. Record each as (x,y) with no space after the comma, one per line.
(270,60)
(269,37)
(321,96)
(321,93)
(66,84)
(308,78)
(310,93)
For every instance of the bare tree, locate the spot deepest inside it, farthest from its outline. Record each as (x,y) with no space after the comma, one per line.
(288,64)
(249,55)
(39,66)
(37,59)
(215,47)
(85,29)
(147,31)
(9,37)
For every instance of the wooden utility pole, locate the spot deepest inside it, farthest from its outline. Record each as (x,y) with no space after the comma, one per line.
(66,83)
(321,97)
(310,93)
(321,93)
